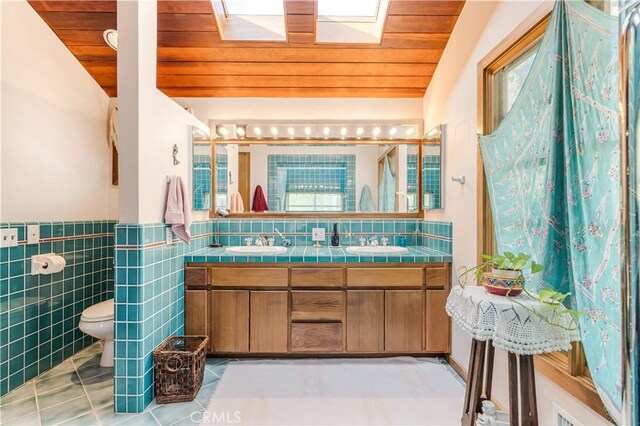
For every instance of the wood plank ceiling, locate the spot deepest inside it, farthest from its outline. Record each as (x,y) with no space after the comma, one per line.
(193,61)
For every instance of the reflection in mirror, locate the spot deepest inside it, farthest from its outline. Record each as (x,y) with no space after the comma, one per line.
(432,183)
(201,175)
(320,178)
(222,173)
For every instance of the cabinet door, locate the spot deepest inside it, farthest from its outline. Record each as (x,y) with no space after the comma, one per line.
(269,322)
(196,312)
(438,323)
(229,327)
(365,320)
(404,318)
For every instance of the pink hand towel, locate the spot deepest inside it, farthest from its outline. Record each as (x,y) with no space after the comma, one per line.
(239,203)
(178,209)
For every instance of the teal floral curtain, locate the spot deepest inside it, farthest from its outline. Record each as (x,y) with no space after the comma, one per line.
(553,172)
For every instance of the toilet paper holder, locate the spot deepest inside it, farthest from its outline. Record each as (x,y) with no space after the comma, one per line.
(46,264)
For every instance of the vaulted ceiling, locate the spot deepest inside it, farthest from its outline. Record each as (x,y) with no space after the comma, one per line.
(193,61)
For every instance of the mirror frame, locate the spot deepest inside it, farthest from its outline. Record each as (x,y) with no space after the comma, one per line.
(351,215)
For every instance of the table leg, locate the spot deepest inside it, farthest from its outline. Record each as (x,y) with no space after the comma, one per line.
(513,390)
(489,365)
(528,391)
(475,376)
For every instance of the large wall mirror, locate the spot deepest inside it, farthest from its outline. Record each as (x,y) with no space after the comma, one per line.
(432,168)
(295,178)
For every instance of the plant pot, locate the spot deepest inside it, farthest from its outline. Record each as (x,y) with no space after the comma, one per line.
(502,286)
(506,274)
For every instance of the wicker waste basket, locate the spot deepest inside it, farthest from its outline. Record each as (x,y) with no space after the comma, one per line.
(179,368)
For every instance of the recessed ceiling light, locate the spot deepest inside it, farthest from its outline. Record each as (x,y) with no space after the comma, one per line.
(326,131)
(376,131)
(274,131)
(359,131)
(111,38)
(343,131)
(307,131)
(257,131)
(291,131)
(393,131)
(410,131)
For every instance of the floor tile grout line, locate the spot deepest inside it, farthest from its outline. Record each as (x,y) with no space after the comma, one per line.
(35,396)
(84,389)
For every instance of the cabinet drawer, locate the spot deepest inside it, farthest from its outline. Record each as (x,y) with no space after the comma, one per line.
(316,337)
(249,277)
(195,276)
(385,277)
(317,277)
(317,305)
(437,275)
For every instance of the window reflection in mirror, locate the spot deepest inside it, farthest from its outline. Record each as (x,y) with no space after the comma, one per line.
(202,175)
(432,182)
(320,178)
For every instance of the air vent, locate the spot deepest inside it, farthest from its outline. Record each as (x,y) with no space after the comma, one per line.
(562,418)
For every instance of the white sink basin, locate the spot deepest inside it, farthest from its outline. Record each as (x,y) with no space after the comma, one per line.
(377,250)
(256,250)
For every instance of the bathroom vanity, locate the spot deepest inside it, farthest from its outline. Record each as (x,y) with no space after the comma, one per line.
(361,305)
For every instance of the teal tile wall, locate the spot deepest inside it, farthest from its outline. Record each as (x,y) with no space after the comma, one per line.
(149,304)
(39,314)
(437,235)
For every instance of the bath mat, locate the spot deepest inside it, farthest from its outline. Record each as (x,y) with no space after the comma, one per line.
(386,391)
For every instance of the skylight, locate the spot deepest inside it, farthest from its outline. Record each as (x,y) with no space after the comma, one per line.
(348,9)
(251,20)
(254,7)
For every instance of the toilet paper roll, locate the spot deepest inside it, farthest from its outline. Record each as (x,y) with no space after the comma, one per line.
(47,264)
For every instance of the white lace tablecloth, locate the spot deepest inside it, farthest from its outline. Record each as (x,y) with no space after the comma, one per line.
(510,326)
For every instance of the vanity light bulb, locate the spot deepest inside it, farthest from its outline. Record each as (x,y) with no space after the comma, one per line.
(326,131)
(274,131)
(257,131)
(360,131)
(223,132)
(240,132)
(376,131)
(410,131)
(343,131)
(307,131)
(393,131)
(291,131)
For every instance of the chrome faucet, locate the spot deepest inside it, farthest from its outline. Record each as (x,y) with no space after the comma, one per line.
(373,241)
(247,241)
(384,241)
(362,241)
(261,241)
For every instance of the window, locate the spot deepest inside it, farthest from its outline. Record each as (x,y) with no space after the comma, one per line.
(351,21)
(315,202)
(261,20)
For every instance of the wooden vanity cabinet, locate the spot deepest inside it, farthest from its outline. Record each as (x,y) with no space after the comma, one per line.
(309,309)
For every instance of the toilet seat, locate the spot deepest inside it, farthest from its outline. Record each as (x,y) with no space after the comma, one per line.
(99,312)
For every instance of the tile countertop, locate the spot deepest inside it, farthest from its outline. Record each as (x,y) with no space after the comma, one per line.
(305,254)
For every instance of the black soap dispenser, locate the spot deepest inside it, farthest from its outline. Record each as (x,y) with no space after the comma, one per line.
(335,237)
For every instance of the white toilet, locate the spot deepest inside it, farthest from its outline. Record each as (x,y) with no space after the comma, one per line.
(97,321)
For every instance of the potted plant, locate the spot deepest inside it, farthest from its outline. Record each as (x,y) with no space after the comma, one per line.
(507,278)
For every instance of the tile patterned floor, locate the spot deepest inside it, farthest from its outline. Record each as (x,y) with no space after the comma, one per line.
(80,392)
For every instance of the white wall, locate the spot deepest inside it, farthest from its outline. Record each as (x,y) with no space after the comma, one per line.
(150,122)
(303,109)
(451,99)
(56,163)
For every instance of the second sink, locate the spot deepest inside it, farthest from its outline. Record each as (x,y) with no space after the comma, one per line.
(377,250)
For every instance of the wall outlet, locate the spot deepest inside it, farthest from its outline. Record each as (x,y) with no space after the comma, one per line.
(168,236)
(33,234)
(8,237)
(318,234)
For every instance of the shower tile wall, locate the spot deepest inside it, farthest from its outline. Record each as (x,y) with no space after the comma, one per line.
(39,314)
(305,174)
(431,178)
(412,181)
(202,182)
(149,304)
(222,175)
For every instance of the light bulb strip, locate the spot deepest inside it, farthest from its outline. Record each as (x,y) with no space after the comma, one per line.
(351,131)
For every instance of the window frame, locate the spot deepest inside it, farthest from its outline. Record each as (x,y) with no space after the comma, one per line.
(567,369)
